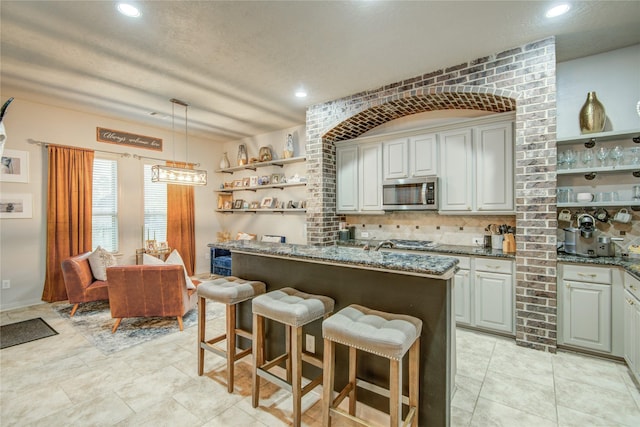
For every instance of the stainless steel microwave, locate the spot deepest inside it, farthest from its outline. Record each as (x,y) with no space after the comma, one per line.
(410,194)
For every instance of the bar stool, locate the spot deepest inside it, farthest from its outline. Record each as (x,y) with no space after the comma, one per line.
(294,309)
(384,334)
(229,291)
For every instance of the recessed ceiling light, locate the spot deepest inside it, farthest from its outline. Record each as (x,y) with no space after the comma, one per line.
(300,93)
(558,10)
(129,10)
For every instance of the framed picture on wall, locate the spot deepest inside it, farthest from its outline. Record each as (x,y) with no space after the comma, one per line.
(14,166)
(237,204)
(253,181)
(16,205)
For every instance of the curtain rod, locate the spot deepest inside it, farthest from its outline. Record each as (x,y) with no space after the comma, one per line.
(46,144)
(136,156)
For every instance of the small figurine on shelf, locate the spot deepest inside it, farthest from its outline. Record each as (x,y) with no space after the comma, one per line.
(288,147)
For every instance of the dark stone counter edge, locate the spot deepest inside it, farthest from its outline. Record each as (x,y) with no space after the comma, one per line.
(271,250)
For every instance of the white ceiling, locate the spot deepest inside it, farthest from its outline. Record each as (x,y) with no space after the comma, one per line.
(238,63)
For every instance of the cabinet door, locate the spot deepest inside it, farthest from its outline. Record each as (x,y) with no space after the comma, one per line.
(463,297)
(494,301)
(494,167)
(395,159)
(456,170)
(631,332)
(347,178)
(586,315)
(423,155)
(370,177)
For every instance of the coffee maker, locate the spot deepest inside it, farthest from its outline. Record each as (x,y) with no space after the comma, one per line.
(582,241)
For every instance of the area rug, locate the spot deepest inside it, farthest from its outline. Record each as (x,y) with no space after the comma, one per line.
(25,331)
(93,320)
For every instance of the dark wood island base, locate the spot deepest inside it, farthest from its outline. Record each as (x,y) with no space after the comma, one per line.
(426,297)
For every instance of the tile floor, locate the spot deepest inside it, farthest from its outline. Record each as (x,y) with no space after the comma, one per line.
(63,380)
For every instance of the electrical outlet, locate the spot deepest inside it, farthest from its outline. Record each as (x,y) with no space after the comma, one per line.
(6,284)
(311,343)
(477,241)
(365,234)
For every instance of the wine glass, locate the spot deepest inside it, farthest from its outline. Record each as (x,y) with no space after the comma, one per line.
(634,155)
(602,153)
(587,156)
(570,157)
(561,160)
(616,154)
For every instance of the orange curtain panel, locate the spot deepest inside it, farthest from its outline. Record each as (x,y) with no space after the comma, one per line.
(69,194)
(181,222)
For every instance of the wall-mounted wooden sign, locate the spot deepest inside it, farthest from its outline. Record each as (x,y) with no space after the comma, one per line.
(123,138)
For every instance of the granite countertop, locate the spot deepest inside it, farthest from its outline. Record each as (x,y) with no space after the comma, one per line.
(425,246)
(440,267)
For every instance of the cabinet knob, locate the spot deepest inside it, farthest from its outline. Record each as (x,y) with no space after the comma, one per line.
(495,267)
(630,302)
(633,287)
(567,285)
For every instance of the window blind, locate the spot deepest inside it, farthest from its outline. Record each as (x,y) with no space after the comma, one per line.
(104,231)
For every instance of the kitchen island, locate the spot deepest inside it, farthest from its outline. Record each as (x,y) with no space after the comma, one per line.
(414,284)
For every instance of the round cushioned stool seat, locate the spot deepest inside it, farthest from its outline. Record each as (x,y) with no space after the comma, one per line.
(230,289)
(292,307)
(385,334)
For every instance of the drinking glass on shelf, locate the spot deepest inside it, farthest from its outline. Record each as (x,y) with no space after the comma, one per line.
(616,154)
(602,153)
(570,157)
(634,155)
(561,160)
(587,156)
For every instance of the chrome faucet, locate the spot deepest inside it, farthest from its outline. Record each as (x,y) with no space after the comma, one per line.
(385,243)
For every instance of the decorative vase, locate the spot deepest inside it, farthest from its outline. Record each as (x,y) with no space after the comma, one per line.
(224,162)
(592,115)
(288,147)
(243,158)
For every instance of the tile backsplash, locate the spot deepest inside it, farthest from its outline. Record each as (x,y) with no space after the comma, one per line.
(444,229)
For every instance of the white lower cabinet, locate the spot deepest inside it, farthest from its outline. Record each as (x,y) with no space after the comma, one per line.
(587,315)
(484,295)
(590,312)
(463,292)
(632,324)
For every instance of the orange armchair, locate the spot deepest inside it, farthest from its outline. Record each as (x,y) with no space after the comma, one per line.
(79,281)
(149,291)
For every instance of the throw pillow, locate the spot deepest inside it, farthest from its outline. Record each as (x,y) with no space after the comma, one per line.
(99,260)
(173,259)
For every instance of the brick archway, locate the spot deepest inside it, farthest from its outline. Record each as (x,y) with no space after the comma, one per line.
(522,78)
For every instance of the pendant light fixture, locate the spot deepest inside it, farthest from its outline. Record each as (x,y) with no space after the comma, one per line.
(175,174)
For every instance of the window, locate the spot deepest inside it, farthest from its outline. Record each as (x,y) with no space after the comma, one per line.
(104,231)
(155,208)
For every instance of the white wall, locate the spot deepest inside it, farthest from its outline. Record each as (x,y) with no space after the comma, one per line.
(614,76)
(23,241)
(291,225)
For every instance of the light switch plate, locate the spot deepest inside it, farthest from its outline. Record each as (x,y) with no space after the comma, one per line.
(310,344)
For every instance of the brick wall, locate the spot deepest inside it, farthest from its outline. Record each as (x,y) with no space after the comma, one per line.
(520,79)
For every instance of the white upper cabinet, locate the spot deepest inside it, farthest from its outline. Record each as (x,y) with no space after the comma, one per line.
(359,177)
(456,167)
(395,159)
(347,178)
(423,155)
(370,178)
(410,157)
(476,169)
(494,167)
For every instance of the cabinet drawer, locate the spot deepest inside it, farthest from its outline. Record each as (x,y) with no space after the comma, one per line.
(493,265)
(464,262)
(632,285)
(582,273)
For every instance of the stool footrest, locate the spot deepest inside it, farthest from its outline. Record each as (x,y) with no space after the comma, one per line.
(311,360)
(270,364)
(378,390)
(354,419)
(315,382)
(343,393)
(244,334)
(274,379)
